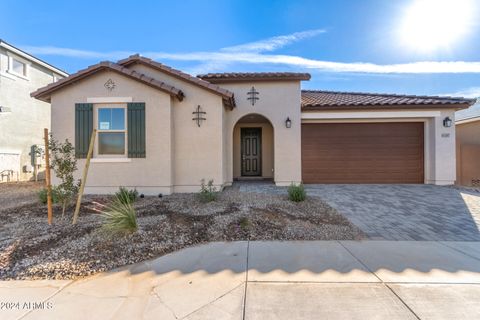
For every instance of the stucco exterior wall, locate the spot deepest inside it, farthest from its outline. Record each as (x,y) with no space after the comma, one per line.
(468,152)
(444,172)
(198,151)
(439,146)
(23,125)
(151,175)
(267,149)
(278,100)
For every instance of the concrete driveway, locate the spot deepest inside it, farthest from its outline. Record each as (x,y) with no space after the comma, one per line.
(270,280)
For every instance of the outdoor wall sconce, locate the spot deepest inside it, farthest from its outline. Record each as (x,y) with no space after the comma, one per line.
(447,122)
(288,123)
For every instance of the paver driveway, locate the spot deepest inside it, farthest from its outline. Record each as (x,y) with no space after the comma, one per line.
(400,212)
(407,212)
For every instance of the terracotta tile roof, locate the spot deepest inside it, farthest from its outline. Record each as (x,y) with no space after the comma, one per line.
(253,76)
(226,94)
(45,92)
(315,100)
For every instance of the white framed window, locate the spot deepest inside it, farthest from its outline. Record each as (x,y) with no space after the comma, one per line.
(111,123)
(18,66)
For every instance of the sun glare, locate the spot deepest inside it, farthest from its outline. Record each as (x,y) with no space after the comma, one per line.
(429,25)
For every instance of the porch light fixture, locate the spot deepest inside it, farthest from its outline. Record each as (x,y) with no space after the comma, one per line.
(447,122)
(288,123)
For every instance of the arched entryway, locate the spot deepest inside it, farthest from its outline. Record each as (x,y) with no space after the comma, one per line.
(253,153)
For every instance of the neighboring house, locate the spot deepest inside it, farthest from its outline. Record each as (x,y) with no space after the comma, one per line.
(162,131)
(467,123)
(22,118)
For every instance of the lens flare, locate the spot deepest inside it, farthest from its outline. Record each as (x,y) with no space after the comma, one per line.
(429,25)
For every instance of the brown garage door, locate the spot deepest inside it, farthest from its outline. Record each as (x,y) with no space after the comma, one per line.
(362,152)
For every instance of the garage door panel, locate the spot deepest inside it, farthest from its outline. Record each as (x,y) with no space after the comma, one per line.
(332,144)
(360,154)
(363,153)
(342,177)
(355,138)
(387,166)
(355,155)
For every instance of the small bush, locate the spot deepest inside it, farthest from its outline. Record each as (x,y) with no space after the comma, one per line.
(244,223)
(208,192)
(64,164)
(42,195)
(120,216)
(126,196)
(296,193)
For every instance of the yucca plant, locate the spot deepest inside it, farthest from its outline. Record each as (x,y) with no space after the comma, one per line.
(126,196)
(120,216)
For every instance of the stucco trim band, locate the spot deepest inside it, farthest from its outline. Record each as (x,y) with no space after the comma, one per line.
(109,99)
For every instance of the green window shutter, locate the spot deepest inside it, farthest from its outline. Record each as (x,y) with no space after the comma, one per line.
(136,130)
(83,128)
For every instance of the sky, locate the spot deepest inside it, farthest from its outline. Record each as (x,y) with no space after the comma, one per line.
(423,47)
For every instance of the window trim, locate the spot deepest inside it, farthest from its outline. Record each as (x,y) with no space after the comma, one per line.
(10,70)
(96,153)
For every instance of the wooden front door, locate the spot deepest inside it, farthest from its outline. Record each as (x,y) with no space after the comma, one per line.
(251,151)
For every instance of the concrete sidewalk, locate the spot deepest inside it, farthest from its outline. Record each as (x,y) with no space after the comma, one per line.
(270,280)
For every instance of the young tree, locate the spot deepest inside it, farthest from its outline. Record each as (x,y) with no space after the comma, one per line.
(64,164)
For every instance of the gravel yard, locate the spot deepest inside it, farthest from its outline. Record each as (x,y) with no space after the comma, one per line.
(30,249)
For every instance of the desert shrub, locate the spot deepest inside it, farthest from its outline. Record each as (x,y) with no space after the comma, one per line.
(208,192)
(296,193)
(126,196)
(244,223)
(42,195)
(64,164)
(120,216)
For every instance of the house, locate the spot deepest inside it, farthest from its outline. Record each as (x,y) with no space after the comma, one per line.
(162,131)
(22,118)
(467,125)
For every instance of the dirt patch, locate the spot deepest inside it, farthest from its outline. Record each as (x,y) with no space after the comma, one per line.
(14,194)
(31,249)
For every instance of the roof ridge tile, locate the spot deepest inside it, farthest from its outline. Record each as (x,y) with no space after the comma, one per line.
(253,76)
(323,99)
(384,94)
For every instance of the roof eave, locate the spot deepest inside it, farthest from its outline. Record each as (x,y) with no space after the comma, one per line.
(28,56)
(151,63)
(44,93)
(467,120)
(229,102)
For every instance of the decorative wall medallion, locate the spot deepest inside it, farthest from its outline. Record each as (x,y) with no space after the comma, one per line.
(199,115)
(252,96)
(110,85)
